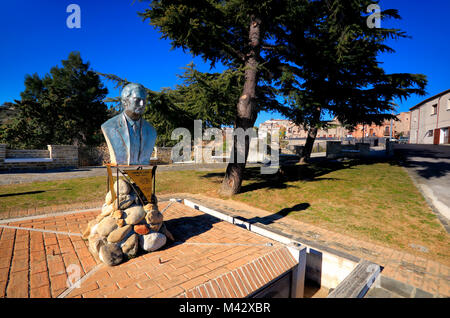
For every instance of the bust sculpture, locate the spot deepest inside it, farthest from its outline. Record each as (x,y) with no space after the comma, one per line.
(129,137)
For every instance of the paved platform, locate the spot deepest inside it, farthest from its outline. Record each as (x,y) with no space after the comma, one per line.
(210,258)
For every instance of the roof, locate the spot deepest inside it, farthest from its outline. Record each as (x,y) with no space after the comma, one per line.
(431,98)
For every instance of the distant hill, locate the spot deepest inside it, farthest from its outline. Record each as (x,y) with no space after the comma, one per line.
(7,112)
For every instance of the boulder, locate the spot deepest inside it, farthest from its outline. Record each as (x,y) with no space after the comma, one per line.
(141,229)
(87,231)
(117,214)
(106,226)
(99,218)
(166,232)
(124,187)
(155,227)
(120,222)
(107,209)
(119,234)
(94,229)
(154,217)
(110,254)
(134,214)
(125,201)
(130,246)
(95,242)
(108,198)
(152,242)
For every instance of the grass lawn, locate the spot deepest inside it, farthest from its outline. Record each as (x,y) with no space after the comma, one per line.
(372,201)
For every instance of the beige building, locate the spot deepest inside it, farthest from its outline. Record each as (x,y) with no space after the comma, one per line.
(430,120)
(401,127)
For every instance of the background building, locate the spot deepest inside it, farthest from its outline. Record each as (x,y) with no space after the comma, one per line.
(400,128)
(430,120)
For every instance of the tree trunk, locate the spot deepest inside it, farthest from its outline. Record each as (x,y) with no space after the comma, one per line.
(312,134)
(246,114)
(307,149)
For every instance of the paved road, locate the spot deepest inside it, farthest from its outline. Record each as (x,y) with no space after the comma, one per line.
(429,166)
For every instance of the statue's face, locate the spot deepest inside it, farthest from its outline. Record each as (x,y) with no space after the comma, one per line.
(135,104)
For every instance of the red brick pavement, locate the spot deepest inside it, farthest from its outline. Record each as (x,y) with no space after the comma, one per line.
(35,255)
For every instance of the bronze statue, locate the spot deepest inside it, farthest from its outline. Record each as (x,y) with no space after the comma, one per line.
(129,137)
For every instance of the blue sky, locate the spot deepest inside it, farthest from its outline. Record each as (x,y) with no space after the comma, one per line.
(115,40)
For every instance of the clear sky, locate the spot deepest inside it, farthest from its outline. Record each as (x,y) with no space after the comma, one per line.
(34,37)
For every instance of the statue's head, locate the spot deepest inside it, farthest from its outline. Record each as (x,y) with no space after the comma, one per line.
(133,100)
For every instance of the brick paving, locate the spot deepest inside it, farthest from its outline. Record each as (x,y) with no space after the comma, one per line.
(423,273)
(210,258)
(420,272)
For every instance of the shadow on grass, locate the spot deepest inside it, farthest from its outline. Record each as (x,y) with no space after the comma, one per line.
(266,220)
(254,180)
(28,192)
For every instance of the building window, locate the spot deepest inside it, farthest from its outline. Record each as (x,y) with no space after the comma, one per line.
(448,104)
(430,133)
(434,109)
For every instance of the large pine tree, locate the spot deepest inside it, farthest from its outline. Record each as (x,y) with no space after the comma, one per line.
(238,34)
(64,107)
(338,70)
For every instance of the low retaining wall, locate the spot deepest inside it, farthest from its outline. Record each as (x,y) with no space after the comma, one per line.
(162,155)
(335,149)
(56,156)
(26,153)
(347,275)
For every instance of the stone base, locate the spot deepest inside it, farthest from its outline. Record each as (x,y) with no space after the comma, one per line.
(123,229)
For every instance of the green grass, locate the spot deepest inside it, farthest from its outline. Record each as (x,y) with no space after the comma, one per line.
(41,194)
(371,201)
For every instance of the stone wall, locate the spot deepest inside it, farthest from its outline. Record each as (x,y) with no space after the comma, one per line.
(27,153)
(64,155)
(93,156)
(335,149)
(99,156)
(163,155)
(57,156)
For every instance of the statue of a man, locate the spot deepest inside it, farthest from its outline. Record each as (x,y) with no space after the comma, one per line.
(130,138)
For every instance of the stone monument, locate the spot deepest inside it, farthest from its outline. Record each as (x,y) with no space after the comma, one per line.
(130,220)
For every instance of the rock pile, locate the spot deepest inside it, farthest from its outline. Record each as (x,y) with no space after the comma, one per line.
(124,228)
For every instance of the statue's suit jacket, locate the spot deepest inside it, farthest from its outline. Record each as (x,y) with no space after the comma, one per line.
(117,137)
